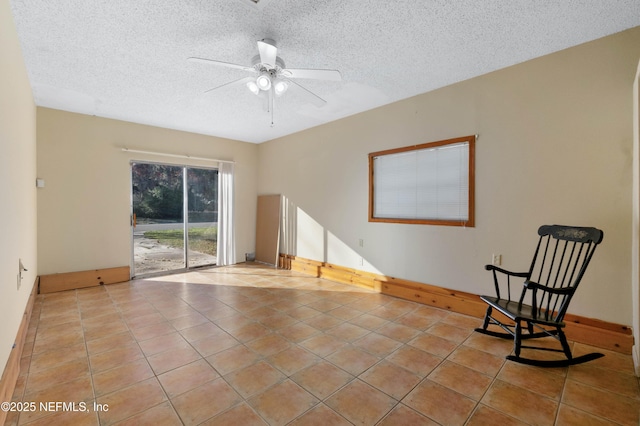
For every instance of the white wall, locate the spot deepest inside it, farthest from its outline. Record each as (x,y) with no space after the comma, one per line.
(555,147)
(84,208)
(17,183)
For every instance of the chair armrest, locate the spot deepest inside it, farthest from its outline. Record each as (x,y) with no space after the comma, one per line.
(506,282)
(504,271)
(532,285)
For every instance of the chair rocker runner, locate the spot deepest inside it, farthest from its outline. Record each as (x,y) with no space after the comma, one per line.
(559,263)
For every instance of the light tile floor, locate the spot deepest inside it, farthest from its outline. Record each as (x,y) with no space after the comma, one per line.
(250,345)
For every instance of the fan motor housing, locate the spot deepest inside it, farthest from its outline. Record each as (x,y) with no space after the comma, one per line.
(255,61)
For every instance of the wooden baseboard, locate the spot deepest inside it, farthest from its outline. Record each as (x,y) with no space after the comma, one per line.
(331,272)
(72,280)
(590,331)
(451,300)
(12,368)
(349,276)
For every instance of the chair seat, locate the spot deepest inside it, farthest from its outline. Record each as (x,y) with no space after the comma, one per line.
(511,310)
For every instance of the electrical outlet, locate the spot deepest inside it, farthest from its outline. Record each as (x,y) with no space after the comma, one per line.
(496,259)
(361,242)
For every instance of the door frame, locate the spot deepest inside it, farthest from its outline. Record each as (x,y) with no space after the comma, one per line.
(635,226)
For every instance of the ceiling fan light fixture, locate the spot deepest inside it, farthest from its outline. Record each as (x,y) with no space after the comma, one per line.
(253,87)
(263,82)
(270,74)
(280,87)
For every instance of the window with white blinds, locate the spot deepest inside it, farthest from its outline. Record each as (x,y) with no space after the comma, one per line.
(432,183)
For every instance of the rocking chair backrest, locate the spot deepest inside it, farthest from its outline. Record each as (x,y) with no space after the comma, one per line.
(559,263)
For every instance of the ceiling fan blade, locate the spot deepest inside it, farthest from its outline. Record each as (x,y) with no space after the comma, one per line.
(268,53)
(313,98)
(332,75)
(243,80)
(224,64)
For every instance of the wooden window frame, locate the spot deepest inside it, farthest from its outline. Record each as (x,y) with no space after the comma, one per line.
(470,222)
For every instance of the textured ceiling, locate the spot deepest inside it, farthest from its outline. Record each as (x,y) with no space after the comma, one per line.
(126,59)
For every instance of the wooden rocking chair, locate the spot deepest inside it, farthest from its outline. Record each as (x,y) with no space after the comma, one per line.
(559,262)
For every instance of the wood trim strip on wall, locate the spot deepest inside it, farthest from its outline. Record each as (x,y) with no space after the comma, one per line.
(12,369)
(595,332)
(73,280)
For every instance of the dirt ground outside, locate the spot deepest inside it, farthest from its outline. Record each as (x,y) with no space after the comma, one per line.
(151,256)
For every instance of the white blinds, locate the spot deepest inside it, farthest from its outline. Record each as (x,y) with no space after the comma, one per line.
(431,183)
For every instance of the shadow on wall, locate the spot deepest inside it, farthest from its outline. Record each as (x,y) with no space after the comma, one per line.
(302,236)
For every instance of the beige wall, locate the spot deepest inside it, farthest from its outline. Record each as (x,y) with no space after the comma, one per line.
(555,147)
(84,208)
(17,183)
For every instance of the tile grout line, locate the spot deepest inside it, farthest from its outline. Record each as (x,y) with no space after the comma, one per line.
(86,348)
(129,330)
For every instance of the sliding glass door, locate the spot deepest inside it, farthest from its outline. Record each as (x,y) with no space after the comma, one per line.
(202,215)
(174,217)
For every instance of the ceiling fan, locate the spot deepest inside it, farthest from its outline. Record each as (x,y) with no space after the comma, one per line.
(271,78)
